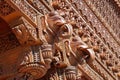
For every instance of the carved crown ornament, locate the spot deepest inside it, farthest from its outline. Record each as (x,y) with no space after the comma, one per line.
(59,45)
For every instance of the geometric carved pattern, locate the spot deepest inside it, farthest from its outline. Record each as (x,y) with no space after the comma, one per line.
(25,7)
(5,8)
(110,14)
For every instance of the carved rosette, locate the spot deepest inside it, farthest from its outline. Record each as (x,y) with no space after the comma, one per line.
(33,63)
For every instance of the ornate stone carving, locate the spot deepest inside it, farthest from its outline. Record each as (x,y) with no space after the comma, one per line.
(38,6)
(5,8)
(25,32)
(25,9)
(71,73)
(37,61)
(69,43)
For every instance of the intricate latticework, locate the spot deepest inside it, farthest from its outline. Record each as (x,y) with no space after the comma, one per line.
(63,40)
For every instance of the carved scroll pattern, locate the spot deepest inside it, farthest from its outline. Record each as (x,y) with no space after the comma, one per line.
(25,32)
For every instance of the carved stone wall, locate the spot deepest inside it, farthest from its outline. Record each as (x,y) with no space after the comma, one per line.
(109,12)
(63,40)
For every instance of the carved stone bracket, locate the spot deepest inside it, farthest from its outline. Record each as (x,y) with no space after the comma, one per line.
(66,42)
(25,32)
